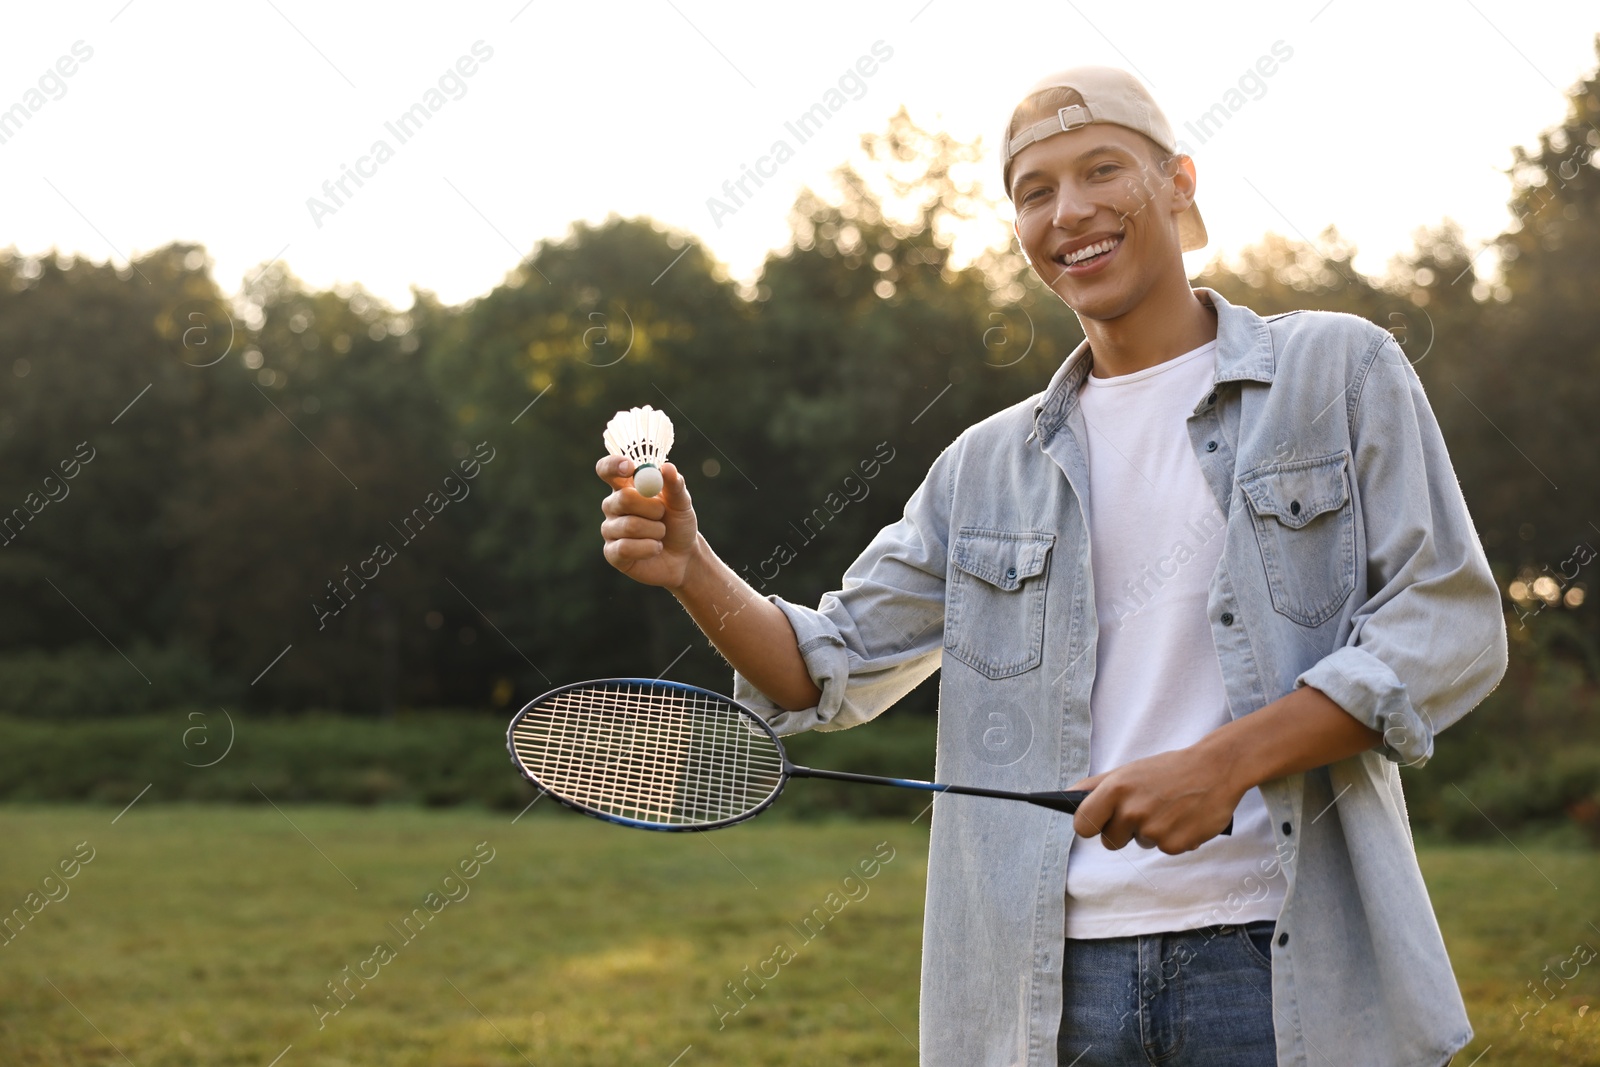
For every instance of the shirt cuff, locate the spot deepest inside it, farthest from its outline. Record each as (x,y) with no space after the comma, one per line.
(828,664)
(1365,687)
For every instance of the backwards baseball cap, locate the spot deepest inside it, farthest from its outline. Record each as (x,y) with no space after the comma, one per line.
(1103,94)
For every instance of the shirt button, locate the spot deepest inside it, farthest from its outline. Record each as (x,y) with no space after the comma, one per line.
(1226,618)
(1283,939)
(1211,446)
(1212,399)
(1294,507)
(1287,829)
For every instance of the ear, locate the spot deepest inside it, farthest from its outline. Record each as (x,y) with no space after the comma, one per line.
(1184,181)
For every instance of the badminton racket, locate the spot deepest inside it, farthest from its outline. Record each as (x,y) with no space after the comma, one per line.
(661,755)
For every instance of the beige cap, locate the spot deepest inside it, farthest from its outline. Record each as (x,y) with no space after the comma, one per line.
(1106,94)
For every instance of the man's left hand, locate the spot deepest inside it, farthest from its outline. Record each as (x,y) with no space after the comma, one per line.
(1175,801)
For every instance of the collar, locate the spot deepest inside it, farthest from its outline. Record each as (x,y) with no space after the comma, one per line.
(1244,353)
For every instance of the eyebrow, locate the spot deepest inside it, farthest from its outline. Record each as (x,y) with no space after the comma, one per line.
(1079,158)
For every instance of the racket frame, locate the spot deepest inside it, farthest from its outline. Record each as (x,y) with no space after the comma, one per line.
(639,824)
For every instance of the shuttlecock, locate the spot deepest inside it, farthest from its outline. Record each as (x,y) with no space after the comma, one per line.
(643,435)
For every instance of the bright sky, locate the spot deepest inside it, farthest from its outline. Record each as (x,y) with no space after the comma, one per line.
(216,122)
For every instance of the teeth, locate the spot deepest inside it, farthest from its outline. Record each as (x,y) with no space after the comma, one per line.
(1090,250)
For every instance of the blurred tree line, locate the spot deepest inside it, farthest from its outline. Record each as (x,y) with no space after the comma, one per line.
(287,498)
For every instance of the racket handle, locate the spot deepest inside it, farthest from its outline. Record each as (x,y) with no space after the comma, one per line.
(1069,800)
(1066,800)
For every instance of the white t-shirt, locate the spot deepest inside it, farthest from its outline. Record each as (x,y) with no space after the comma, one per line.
(1155,537)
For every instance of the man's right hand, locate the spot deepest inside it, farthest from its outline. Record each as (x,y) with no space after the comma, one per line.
(653,540)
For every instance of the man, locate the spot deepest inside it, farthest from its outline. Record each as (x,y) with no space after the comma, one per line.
(1219,568)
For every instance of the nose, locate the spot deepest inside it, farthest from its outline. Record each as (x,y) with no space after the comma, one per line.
(1072,208)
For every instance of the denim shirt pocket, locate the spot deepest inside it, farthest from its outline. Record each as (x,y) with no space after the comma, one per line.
(1305,526)
(994,603)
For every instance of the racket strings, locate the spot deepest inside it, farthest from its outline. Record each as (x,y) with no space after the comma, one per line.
(652,754)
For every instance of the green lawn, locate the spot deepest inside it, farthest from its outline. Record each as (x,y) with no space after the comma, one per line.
(208,935)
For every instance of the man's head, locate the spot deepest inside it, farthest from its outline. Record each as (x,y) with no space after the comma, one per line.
(1090,162)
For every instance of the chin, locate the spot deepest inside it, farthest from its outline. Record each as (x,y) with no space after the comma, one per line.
(1104,304)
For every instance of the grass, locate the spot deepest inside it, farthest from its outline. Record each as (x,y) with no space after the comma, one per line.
(206,935)
(1507,916)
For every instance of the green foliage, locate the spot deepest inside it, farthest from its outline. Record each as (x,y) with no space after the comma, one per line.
(1562,788)
(211,754)
(1528,375)
(1524,760)
(88,341)
(432,758)
(894,745)
(85,681)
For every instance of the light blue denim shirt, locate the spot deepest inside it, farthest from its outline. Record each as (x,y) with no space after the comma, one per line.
(1349,564)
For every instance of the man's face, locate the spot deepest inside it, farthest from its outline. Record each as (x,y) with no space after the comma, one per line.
(1099,187)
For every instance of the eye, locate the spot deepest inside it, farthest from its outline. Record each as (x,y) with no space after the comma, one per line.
(1103,170)
(1029,195)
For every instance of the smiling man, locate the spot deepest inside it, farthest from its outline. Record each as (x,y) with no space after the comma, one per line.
(1219,568)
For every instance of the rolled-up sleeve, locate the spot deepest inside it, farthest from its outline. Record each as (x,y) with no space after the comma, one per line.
(870,642)
(1430,641)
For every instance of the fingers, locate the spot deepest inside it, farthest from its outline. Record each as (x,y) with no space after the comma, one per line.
(1095,812)
(615,471)
(638,528)
(630,536)
(1112,816)
(632,527)
(674,490)
(1115,830)
(623,553)
(1093,817)
(1118,825)
(625,499)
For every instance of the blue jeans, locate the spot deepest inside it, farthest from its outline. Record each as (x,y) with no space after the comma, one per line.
(1193,998)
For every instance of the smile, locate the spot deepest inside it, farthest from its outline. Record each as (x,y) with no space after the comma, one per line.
(1089,253)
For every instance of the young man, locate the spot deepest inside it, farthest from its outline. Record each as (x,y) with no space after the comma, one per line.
(1219,568)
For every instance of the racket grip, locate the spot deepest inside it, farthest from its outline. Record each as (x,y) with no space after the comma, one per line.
(1068,800)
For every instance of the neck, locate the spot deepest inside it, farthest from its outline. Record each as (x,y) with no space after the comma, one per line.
(1168,322)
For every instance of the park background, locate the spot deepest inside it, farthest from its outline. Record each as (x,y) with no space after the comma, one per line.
(271,761)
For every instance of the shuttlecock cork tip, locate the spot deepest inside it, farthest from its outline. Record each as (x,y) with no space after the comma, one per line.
(648,481)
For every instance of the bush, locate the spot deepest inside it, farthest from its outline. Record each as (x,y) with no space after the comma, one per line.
(211,755)
(88,681)
(1519,757)
(1564,788)
(894,745)
(436,758)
